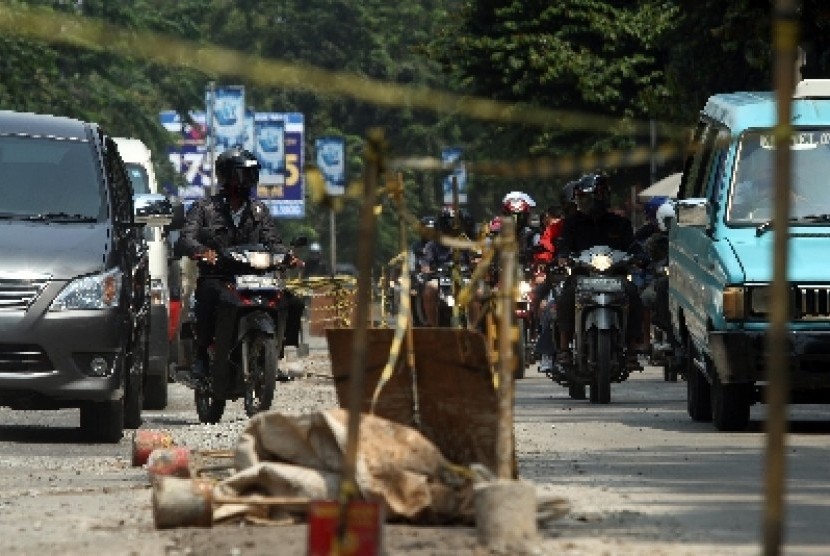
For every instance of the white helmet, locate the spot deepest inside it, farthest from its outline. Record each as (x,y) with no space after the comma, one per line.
(665,215)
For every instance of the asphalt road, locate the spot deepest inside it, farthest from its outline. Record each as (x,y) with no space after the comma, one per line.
(640,476)
(642,459)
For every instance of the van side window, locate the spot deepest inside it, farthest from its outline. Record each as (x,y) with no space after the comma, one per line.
(700,168)
(716,167)
(692,161)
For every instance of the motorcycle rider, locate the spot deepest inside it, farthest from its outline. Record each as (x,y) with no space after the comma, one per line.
(520,205)
(436,254)
(545,345)
(643,275)
(223,220)
(656,295)
(593,224)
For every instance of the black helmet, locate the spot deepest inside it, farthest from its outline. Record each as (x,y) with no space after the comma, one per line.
(595,185)
(239,164)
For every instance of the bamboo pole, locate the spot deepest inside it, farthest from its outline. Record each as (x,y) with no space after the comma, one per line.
(365,255)
(504,440)
(785,37)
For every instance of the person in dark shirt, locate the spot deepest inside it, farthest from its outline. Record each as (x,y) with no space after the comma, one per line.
(227,219)
(593,224)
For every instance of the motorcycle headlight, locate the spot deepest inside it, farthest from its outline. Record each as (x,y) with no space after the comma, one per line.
(100,291)
(601,262)
(524,289)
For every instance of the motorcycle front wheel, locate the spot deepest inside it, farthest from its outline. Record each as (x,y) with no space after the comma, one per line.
(209,407)
(262,373)
(603,346)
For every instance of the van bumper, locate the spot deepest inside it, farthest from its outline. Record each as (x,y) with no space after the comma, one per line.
(45,362)
(741,357)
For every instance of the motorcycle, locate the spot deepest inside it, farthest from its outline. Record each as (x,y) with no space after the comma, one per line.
(527,318)
(250,327)
(664,349)
(601,319)
(450,278)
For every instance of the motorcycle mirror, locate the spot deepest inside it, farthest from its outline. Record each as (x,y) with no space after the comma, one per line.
(301,241)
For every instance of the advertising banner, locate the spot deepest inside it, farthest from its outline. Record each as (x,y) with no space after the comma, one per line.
(331,161)
(283,190)
(270,151)
(249,144)
(228,116)
(452,155)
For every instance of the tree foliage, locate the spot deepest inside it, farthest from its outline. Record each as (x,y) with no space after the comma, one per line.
(627,60)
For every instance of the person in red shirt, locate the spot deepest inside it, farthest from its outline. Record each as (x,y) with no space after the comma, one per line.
(546,252)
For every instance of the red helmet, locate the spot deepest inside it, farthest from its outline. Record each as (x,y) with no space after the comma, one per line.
(517,202)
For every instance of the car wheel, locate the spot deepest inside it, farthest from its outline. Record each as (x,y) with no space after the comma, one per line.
(103,421)
(730,406)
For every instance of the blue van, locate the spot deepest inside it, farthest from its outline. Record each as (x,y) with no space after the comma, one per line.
(721,251)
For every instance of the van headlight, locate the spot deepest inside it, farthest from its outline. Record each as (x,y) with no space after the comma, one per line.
(100,291)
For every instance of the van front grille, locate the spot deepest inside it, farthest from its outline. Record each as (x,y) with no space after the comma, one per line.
(17,294)
(812,302)
(23,358)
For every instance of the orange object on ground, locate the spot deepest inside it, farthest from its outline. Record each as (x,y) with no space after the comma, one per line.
(145,441)
(169,462)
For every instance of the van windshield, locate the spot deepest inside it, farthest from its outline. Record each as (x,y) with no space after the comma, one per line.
(751,194)
(138,177)
(48,179)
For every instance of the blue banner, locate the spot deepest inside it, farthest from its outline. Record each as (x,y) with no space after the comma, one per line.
(282,190)
(452,155)
(228,116)
(331,161)
(270,151)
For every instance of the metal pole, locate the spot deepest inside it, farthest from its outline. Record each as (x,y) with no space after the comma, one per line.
(365,255)
(333,239)
(785,38)
(507,341)
(653,129)
(214,188)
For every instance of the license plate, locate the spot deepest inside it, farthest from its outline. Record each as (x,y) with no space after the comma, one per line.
(600,284)
(254,282)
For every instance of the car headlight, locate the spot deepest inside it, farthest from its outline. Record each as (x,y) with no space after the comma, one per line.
(733,303)
(100,291)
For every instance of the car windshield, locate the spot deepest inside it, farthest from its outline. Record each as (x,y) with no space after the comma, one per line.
(138,177)
(45,179)
(751,194)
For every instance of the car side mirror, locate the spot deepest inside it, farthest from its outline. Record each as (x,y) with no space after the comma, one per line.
(152,209)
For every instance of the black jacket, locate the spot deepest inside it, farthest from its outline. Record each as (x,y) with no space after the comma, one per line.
(209,225)
(580,232)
